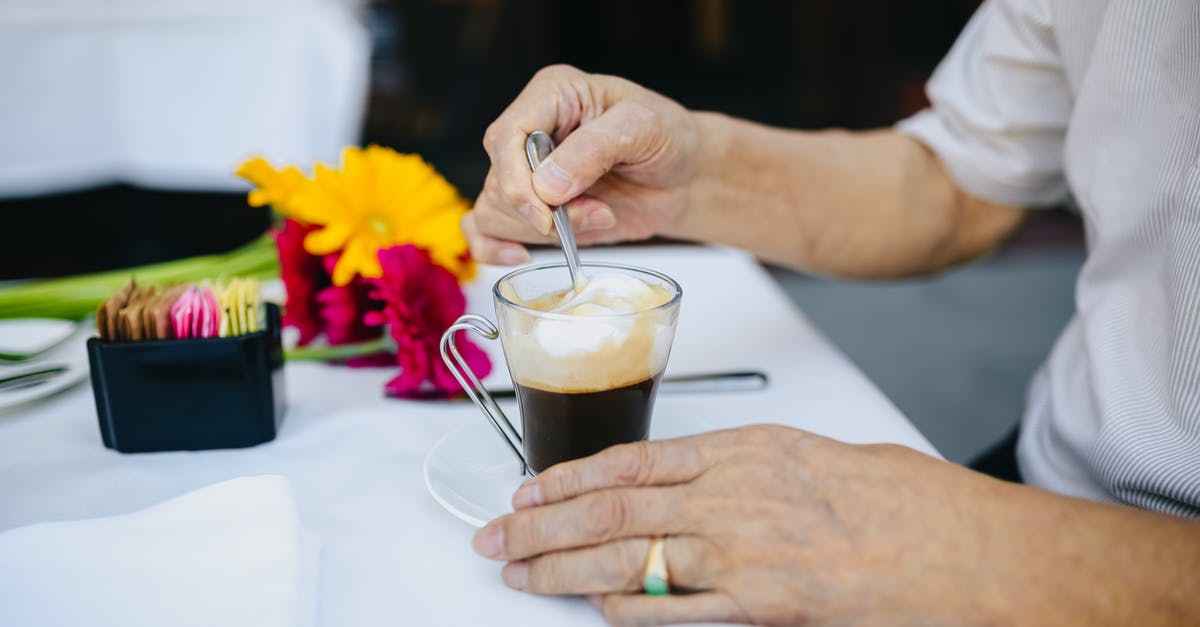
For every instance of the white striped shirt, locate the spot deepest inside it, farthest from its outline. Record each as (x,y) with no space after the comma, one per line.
(1041,101)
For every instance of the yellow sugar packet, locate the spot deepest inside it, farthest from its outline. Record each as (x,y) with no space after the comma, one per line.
(240,301)
(243,317)
(227,324)
(256,314)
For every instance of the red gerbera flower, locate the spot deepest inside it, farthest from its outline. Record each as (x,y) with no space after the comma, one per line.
(343,310)
(303,277)
(420,301)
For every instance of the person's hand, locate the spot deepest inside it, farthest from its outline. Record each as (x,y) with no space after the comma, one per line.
(624,157)
(769,525)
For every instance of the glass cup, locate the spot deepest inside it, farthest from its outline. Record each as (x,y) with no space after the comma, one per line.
(584,380)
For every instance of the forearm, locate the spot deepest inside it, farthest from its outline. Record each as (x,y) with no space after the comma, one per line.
(854,204)
(1078,562)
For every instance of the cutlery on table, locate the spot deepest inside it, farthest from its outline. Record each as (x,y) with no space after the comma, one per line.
(711,382)
(29,377)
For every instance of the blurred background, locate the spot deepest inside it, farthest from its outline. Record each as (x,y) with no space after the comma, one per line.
(121,122)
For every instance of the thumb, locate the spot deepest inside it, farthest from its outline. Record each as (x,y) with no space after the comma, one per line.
(620,135)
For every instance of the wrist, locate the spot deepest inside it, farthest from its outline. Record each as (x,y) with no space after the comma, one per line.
(1060,560)
(709,159)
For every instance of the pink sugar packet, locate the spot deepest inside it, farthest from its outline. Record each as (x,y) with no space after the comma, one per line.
(196,313)
(208,314)
(181,312)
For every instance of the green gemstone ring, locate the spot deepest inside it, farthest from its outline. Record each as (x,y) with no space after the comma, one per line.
(655,580)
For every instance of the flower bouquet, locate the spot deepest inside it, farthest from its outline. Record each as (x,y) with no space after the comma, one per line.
(370,253)
(371,256)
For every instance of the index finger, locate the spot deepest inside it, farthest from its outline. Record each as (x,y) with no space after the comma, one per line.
(645,463)
(539,107)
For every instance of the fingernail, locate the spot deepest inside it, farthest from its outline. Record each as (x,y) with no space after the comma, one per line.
(512,256)
(488,541)
(516,575)
(537,219)
(598,220)
(550,178)
(528,495)
(597,600)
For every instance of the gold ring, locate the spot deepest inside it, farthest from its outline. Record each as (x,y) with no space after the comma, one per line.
(655,581)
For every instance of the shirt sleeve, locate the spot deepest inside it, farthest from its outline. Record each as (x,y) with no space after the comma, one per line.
(1000,107)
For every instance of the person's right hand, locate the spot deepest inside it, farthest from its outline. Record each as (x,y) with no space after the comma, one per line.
(624,159)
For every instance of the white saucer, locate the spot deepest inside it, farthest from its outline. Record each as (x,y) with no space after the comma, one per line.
(472,474)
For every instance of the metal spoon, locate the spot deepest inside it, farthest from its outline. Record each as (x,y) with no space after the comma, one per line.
(537,148)
(703,383)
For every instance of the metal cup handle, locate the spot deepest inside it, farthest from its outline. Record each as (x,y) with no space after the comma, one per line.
(470,383)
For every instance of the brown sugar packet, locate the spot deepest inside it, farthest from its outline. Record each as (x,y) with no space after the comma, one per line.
(156,315)
(106,314)
(119,332)
(148,330)
(129,323)
(140,308)
(110,304)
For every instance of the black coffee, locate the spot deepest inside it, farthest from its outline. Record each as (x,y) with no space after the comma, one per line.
(559,426)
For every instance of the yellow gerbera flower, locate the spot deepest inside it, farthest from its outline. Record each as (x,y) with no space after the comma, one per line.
(381,198)
(271,186)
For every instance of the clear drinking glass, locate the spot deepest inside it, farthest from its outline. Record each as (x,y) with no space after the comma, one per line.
(584,380)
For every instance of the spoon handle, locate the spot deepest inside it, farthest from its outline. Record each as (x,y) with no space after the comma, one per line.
(562,224)
(537,147)
(703,383)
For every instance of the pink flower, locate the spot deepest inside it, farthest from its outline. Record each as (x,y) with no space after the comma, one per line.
(343,308)
(421,300)
(315,305)
(303,277)
(343,311)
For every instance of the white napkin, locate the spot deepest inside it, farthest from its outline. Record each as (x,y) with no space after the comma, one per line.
(229,554)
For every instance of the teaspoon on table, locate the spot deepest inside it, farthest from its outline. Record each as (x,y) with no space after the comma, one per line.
(537,147)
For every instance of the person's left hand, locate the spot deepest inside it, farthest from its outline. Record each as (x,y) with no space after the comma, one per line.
(768,525)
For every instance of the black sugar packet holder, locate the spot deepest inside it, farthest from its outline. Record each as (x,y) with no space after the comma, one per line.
(190,394)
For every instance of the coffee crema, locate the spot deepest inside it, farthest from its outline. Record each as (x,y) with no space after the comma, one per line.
(612,333)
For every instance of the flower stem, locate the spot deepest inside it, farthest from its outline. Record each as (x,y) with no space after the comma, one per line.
(75,297)
(339,352)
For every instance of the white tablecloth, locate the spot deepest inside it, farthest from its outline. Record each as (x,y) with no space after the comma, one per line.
(173,93)
(391,555)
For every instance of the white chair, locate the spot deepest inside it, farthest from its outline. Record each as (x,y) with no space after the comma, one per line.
(173,94)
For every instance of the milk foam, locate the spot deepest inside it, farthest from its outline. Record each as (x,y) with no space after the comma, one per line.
(607,334)
(610,293)
(603,297)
